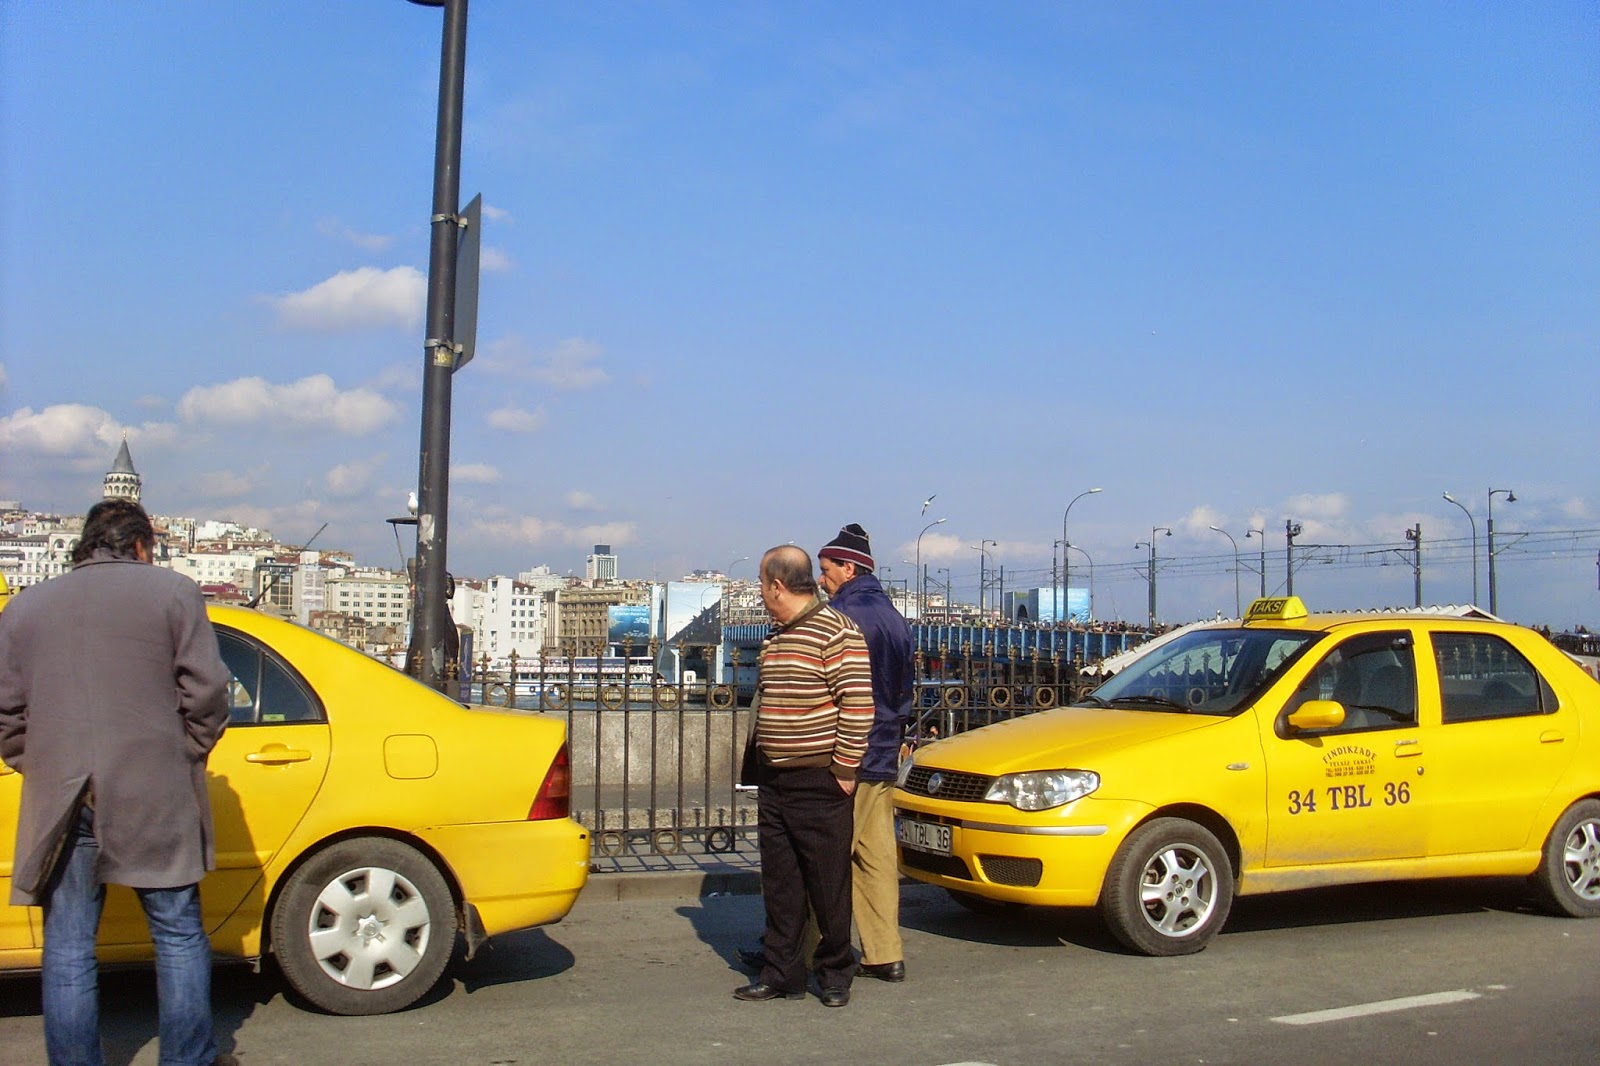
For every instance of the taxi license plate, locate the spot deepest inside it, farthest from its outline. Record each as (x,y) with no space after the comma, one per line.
(923,836)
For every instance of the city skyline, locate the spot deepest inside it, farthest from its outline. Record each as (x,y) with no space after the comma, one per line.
(752,273)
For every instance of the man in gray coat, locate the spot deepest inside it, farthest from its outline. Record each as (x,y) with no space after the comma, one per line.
(112,694)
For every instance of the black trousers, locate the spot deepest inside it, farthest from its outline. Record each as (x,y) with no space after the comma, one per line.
(804,832)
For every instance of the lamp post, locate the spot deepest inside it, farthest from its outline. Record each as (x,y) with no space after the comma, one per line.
(728,573)
(1414,535)
(1291,530)
(1238,611)
(945,570)
(1066,584)
(1473,522)
(1151,544)
(983,557)
(922,583)
(1488,526)
(1260,535)
(1090,558)
(426,661)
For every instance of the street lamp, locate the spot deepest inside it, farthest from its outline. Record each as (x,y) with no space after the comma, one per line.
(1066,585)
(1238,611)
(945,570)
(1488,525)
(983,556)
(1474,523)
(728,573)
(1291,530)
(1151,544)
(922,581)
(1260,535)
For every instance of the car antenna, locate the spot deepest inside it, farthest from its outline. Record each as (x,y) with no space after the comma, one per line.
(255,600)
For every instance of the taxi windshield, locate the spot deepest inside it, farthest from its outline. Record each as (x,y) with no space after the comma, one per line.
(1209,671)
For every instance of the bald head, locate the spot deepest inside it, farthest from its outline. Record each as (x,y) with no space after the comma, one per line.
(787,584)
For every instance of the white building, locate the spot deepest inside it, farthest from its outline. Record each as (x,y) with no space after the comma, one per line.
(508,615)
(382,597)
(601,565)
(218,567)
(27,559)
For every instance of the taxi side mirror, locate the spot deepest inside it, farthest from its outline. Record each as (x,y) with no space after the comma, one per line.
(1317,714)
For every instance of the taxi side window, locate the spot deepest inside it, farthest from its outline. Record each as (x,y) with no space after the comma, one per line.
(262,691)
(1374,677)
(1482,676)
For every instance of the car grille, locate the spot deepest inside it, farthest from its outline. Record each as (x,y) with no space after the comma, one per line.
(943,865)
(953,784)
(1009,870)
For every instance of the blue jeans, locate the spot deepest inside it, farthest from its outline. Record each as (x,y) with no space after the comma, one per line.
(71,987)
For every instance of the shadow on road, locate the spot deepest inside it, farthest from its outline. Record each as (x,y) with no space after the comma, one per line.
(511,958)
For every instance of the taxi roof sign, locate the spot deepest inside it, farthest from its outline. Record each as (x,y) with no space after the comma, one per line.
(1276,609)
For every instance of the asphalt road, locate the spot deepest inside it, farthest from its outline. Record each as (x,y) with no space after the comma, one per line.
(1443,972)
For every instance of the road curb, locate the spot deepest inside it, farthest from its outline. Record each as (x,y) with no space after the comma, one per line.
(675,884)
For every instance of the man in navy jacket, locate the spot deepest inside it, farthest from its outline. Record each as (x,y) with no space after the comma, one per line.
(847,567)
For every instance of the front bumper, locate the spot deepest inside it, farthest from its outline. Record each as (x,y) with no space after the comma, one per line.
(1051,858)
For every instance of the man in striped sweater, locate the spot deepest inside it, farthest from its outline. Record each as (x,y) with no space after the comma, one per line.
(815,711)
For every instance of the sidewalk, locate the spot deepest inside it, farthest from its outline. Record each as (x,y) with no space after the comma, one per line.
(688,874)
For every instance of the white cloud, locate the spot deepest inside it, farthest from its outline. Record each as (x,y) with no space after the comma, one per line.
(1574,508)
(496,261)
(311,401)
(570,365)
(477,473)
(372,242)
(226,484)
(944,548)
(498,214)
(516,420)
(356,299)
(579,500)
(352,478)
(75,430)
(529,530)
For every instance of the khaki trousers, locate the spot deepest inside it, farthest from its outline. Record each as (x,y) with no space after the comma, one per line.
(874,877)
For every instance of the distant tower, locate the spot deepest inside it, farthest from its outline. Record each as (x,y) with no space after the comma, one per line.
(602,565)
(122,480)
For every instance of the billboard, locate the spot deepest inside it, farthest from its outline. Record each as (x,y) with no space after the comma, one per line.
(684,603)
(1042,605)
(625,621)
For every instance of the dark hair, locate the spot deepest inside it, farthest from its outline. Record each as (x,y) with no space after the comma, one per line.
(791,567)
(117,527)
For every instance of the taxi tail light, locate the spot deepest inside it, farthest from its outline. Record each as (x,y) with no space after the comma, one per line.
(555,794)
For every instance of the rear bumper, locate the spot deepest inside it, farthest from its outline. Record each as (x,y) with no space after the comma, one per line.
(515,875)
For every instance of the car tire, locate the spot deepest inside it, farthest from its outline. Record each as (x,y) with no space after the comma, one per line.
(1568,878)
(365,927)
(1168,889)
(990,908)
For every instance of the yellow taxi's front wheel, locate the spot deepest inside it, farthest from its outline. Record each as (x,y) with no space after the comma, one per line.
(1168,889)
(364,927)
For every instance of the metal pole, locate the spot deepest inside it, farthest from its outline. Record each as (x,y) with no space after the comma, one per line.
(1414,534)
(1066,568)
(1511,497)
(1473,522)
(1261,535)
(439,356)
(1238,611)
(1291,530)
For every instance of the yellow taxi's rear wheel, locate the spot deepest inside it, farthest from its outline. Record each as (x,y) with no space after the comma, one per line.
(365,927)
(1569,875)
(1169,888)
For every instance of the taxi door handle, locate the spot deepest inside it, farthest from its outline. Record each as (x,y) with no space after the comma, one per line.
(1552,736)
(277,753)
(1405,749)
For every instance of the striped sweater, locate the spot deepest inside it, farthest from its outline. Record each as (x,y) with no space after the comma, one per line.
(816,693)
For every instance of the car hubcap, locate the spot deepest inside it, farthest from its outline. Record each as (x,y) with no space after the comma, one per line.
(1582,860)
(1178,890)
(369,928)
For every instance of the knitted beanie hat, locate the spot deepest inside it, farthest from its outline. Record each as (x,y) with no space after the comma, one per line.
(850,546)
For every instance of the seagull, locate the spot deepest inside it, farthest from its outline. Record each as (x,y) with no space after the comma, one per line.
(926,502)
(411,501)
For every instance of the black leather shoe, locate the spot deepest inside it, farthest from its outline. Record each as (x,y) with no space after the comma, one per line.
(884,971)
(754,958)
(835,997)
(760,993)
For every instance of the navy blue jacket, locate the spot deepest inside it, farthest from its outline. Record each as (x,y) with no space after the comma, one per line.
(863,601)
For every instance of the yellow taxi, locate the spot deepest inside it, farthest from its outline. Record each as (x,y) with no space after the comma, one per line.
(1285,751)
(363,820)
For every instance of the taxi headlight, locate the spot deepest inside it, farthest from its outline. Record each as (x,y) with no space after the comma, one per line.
(905,771)
(1040,790)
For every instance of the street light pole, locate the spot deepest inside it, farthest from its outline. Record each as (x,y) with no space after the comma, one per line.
(1090,558)
(1151,544)
(1488,526)
(1291,530)
(1066,585)
(1238,611)
(1260,535)
(427,659)
(1473,522)
(1414,535)
(922,584)
(983,556)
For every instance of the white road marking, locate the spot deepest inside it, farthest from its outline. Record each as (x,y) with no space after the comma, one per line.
(1385,1006)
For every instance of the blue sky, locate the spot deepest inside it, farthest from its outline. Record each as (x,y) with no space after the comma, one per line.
(753,271)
